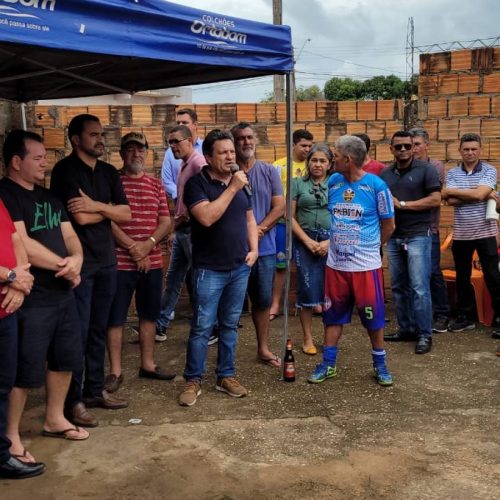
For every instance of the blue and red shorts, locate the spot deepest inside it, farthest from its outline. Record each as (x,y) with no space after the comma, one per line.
(346,289)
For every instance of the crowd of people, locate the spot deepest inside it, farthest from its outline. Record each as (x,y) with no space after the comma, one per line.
(74,255)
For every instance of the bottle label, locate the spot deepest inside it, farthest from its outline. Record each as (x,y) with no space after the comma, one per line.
(289,370)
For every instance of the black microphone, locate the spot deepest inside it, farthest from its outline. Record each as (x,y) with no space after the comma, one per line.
(247,188)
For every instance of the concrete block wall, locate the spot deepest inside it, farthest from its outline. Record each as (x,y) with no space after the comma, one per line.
(459,92)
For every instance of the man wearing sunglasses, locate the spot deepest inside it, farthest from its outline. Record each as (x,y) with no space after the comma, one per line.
(181,145)
(416,191)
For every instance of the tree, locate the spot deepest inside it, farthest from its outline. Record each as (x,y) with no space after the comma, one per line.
(378,87)
(312,93)
(343,89)
(384,87)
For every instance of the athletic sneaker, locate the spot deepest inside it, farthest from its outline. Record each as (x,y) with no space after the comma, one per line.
(160,336)
(231,386)
(495,333)
(321,373)
(214,338)
(383,375)
(190,393)
(440,324)
(461,324)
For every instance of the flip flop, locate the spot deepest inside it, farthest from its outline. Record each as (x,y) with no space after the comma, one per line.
(274,361)
(311,351)
(24,455)
(66,434)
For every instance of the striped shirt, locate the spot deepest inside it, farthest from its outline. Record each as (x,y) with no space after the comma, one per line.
(469,219)
(148,202)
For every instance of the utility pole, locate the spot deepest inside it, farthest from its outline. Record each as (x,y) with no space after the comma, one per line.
(278,80)
(410,109)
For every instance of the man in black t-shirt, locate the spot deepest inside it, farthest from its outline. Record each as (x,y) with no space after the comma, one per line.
(49,344)
(93,194)
(416,191)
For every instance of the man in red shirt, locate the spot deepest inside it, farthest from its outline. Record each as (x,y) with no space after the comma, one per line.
(139,261)
(370,165)
(15,283)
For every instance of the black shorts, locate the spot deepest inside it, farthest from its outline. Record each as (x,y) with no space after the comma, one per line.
(147,288)
(49,337)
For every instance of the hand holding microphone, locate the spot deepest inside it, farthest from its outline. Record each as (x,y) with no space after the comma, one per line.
(248,190)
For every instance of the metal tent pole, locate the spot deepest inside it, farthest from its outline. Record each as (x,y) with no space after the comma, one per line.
(289,173)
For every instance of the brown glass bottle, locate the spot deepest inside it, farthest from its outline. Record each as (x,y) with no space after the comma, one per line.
(289,363)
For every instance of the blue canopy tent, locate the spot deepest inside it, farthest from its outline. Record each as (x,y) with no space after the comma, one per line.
(52,49)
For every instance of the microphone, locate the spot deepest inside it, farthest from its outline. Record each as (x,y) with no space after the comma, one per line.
(247,188)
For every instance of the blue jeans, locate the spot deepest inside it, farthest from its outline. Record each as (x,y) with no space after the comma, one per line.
(217,298)
(8,366)
(94,297)
(410,270)
(179,265)
(439,292)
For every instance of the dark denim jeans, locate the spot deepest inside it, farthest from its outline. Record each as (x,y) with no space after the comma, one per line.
(94,297)
(439,292)
(410,269)
(217,298)
(8,366)
(463,250)
(179,265)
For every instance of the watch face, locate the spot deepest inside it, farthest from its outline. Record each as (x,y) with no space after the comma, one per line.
(11,276)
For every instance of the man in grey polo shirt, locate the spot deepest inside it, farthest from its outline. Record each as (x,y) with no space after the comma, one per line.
(468,188)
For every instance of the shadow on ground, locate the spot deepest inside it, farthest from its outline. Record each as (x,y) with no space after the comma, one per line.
(433,435)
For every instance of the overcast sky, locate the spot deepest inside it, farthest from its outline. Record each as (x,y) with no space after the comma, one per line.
(359,39)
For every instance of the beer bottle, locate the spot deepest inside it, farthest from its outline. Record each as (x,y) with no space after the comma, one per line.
(289,363)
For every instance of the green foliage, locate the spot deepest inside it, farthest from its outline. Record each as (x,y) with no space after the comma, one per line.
(312,93)
(343,89)
(378,87)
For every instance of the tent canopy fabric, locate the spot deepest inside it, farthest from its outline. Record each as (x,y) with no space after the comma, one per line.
(53,49)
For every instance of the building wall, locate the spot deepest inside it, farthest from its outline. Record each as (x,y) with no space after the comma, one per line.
(459,92)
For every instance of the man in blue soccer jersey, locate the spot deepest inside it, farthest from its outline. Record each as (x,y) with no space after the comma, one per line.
(362,217)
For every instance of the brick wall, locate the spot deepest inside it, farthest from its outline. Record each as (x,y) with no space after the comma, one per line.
(459,92)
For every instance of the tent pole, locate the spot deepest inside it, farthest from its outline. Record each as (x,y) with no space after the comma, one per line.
(289,173)
(23,116)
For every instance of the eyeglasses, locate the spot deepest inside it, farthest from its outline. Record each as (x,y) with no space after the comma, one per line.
(399,147)
(174,142)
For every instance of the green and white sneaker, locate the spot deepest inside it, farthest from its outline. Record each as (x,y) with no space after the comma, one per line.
(383,375)
(321,373)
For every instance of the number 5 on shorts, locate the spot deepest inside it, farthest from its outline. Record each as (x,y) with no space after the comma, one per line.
(369,312)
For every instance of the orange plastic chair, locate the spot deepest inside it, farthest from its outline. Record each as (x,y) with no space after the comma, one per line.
(481,293)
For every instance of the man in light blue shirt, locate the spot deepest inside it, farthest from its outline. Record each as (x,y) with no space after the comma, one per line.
(171,166)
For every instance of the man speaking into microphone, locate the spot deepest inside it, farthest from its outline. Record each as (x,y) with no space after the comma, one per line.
(225,247)
(268,204)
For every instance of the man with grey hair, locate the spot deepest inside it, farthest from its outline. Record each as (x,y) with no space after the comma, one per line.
(139,261)
(439,292)
(362,218)
(268,205)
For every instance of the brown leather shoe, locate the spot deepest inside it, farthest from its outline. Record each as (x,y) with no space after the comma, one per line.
(106,401)
(79,415)
(112,383)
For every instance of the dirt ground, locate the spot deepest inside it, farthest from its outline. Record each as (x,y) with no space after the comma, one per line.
(433,435)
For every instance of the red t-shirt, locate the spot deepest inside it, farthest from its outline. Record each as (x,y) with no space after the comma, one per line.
(147,201)
(374,167)
(7,255)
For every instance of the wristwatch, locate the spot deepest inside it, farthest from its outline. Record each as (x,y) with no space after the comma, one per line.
(11,276)
(403,204)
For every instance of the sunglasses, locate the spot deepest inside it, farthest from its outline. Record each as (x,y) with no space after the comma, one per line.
(399,147)
(174,142)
